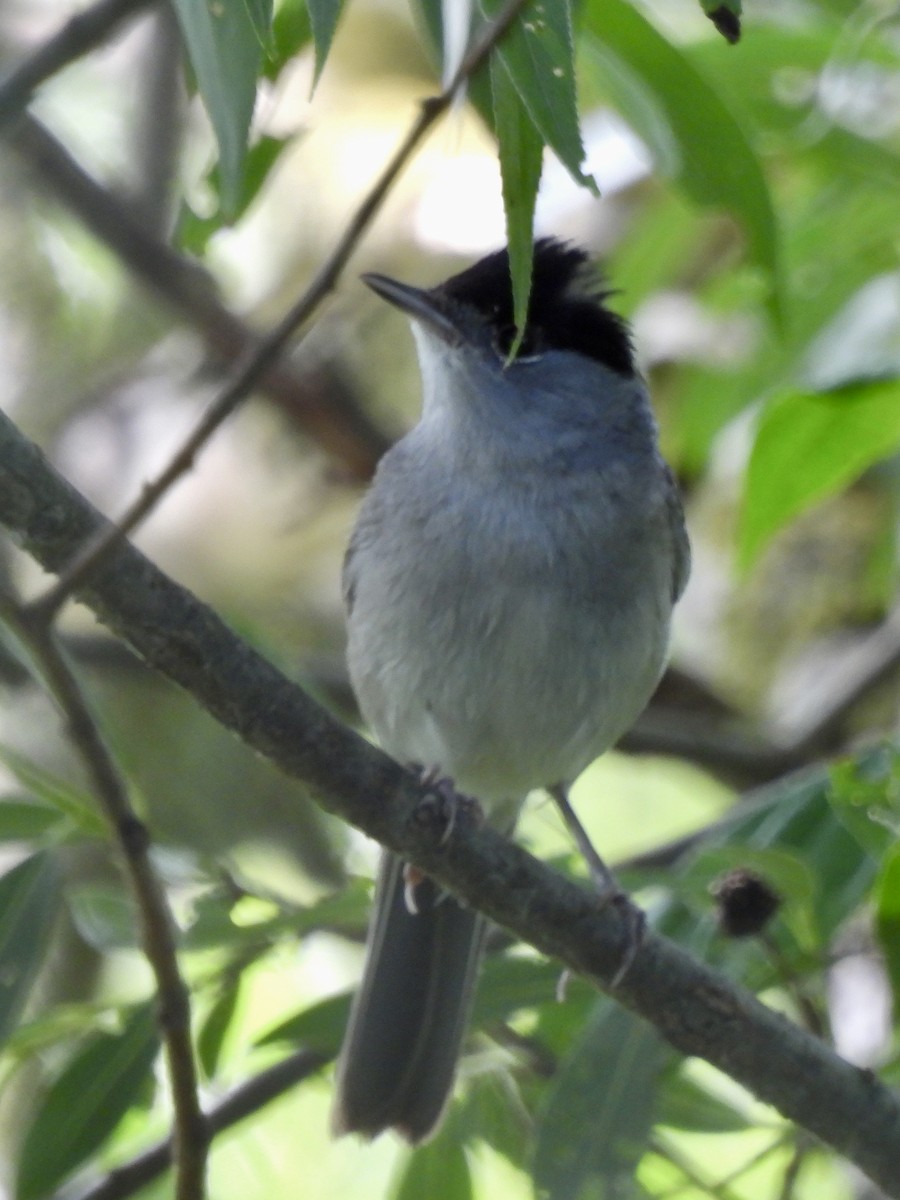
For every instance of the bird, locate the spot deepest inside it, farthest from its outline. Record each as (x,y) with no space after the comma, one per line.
(509,586)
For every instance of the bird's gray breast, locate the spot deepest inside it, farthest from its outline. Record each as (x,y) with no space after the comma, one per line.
(507,635)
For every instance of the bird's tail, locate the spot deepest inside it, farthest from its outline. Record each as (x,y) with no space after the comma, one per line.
(400,1051)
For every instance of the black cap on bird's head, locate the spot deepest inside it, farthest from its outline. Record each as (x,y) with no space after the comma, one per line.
(566,310)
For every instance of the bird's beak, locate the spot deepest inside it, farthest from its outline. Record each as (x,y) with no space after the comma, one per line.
(417,303)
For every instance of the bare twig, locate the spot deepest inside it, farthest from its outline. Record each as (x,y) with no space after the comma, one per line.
(794,1167)
(190,1136)
(253,366)
(80,34)
(244,1101)
(695,1008)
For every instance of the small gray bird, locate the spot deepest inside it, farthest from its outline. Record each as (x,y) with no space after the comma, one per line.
(509,587)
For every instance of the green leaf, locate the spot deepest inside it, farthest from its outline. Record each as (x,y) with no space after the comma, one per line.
(597,1118)
(323,15)
(215,1027)
(291,31)
(29,900)
(104,915)
(865,795)
(538,55)
(808,446)
(491,1110)
(511,982)
(62,1023)
(86,1103)
(438,1170)
(521,158)
(887,916)
(58,793)
(25,821)
(225,43)
(793,816)
(675,110)
(194,231)
(319,1027)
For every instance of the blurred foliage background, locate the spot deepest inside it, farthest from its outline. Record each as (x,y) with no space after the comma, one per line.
(748,220)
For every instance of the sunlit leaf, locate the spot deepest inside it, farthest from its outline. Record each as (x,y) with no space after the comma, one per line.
(215,1027)
(29,900)
(808,446)
(319,1027)
(85,1104)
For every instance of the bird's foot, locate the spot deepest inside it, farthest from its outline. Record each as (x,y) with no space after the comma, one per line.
(443,806)
(608,890)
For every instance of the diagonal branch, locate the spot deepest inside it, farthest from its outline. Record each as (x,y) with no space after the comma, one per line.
(339,426)
(253,366)
(699,1011)
(243,1101)
(80,34)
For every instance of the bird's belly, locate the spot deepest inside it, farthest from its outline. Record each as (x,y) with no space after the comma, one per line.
(518,692)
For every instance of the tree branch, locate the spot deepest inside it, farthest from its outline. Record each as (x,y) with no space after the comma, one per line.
(80,34)
(190,1136)
(253,366)
(339,426)
(697,1010)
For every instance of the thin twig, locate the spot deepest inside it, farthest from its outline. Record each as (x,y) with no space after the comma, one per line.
(326,414)
(80,34)
(190,1135)
(794,1167)
(245,1100)
(814,1020)
(253,366)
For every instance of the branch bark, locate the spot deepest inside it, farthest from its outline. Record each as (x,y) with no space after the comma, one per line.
(697,1010)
